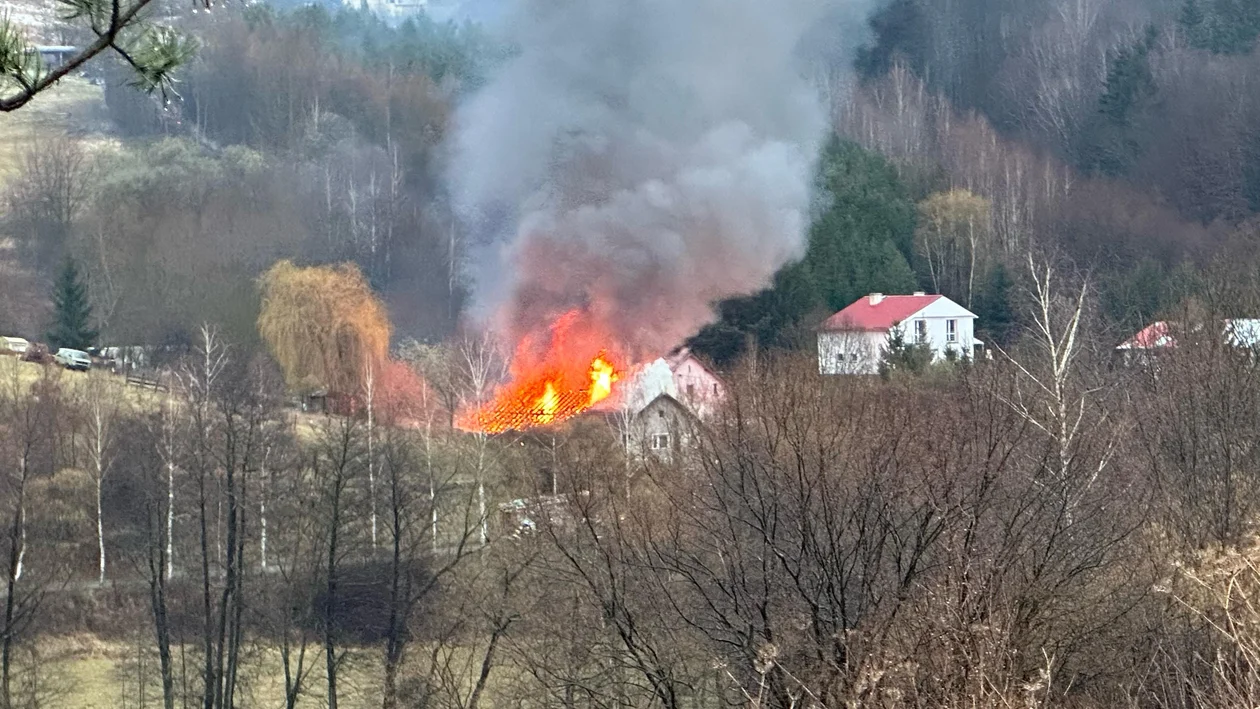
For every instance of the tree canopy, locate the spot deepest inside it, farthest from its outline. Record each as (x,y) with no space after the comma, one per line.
(324,325)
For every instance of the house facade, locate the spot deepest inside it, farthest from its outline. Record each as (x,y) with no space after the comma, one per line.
(666,402)
(664,429)
(854,340)
(1164,336)
(695,386)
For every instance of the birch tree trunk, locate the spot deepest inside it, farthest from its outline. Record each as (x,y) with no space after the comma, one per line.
(369,386)
(17,550)
(102,408)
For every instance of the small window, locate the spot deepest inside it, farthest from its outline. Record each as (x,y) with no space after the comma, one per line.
(715,389)
(951,330)
(920,330)
(660,441)
(691,390)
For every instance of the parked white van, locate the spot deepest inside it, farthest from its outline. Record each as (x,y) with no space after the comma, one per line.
(73,359)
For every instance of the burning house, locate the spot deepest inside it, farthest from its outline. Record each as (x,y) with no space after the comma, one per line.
(618,175)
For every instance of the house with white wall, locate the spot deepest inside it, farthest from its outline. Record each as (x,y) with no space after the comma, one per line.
(854,340)
(1165,336)
(695,385)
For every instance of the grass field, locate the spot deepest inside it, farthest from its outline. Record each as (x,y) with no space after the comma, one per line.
(83,672)
(74,107)
(15,372)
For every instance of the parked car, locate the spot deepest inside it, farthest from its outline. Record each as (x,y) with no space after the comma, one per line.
(16,345)
(37,353)
(73,359)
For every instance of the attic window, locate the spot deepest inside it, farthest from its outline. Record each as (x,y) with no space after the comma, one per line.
(660,441)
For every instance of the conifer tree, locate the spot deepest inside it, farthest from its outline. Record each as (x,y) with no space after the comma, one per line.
(905,356)
(73,315)
(122,27)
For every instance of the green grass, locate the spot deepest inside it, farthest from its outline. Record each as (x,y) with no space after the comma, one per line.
(73,107)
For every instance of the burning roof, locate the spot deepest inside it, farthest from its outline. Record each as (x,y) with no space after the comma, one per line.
(552,379)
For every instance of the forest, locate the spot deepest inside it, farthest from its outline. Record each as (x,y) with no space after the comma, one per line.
(1055,526)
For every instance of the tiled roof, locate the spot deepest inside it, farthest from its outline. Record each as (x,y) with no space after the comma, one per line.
(883,315)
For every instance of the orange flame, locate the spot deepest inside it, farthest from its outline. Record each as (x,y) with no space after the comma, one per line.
(573,373)
(548,403)
(603,374)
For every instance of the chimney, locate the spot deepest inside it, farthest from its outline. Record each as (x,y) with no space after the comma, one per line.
(919,292)
(875,298)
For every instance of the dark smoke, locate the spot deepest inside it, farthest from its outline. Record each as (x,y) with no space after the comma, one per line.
(641,160)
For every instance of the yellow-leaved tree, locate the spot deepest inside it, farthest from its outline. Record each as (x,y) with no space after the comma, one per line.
(324,326)
(953,237)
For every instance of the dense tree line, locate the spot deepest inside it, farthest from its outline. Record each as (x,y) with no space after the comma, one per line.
(1117,132)
(302,135)
(1120,133)
(1044,529)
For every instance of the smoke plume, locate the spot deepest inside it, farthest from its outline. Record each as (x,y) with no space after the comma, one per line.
(639,160)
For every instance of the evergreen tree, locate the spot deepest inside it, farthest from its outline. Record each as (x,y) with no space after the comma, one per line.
(903,357)
(153,52)
(859,243)
(995,319)
(1192,23)
(1113,142)
(862,242)
(73,315)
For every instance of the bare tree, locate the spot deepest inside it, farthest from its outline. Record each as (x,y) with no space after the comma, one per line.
(24,444)
(146,447)
(47,198)
(102,404)
(336,465)
(416,567)
(1053,395)
(200,377)
(483,367)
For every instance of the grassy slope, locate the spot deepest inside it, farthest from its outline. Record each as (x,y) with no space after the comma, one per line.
(13,370)
(74,107)
(86,673)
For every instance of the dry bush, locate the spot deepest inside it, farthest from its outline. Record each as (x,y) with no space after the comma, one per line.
(1211,655)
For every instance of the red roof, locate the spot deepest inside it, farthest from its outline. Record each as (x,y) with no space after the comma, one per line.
(1152,336)
(890,310)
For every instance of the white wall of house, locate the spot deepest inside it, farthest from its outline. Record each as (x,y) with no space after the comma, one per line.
(936,318)
(697,388)
(850,352)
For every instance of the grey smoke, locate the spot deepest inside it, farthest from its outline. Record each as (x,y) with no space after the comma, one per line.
(643,159)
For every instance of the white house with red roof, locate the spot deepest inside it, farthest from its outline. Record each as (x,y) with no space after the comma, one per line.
(1162,336)
(853,341)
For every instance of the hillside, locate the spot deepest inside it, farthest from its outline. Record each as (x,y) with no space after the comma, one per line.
(74,108)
